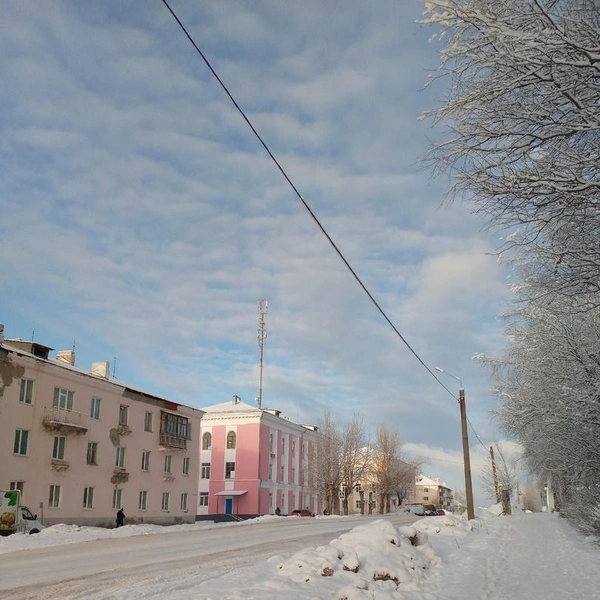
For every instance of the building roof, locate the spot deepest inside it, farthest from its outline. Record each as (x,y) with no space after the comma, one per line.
(424,480)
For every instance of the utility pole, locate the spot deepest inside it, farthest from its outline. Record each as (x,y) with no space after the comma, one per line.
(496,486)
(466,453)
(465,441)
(262,334)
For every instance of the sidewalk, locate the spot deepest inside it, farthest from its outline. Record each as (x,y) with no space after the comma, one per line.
(526,556)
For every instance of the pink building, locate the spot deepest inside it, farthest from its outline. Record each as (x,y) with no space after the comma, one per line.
(253,461)
(80,445)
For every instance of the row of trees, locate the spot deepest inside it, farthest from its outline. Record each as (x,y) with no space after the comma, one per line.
(347,458)
(524,149)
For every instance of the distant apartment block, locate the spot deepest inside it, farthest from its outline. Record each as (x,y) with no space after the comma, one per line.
(432,491)
(80,445)
(252,461)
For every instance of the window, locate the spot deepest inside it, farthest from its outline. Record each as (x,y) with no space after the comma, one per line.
(88,497)
(271,499)
(282,446)
(146,460)
(293,475)
(123,414)
(425,497)
(148,421)
(175,426)
(117,498)
(120,460)
(58,452)
(186,465)
(229,470)
(143,500)
(21,439)
(165,501)
(92,453)
(205,473)
(271,442)
(54,496)
(270,478)
(231,440)
(203,499)
(183,504)
(26,393)
(17,485)
(167,463)
(294,449)
(282,473)
(358,504)
(206,441)
(425,490)
(95,408)
(63,399)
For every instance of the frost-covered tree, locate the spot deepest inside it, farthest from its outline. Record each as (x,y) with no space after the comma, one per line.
(523,119)
(354,456)
(326,468)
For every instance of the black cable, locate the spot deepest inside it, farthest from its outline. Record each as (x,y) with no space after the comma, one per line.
(306,206)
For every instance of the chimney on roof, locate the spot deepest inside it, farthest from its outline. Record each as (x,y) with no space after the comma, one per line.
(235,399)
(1,332)
(101,369)
(66,356)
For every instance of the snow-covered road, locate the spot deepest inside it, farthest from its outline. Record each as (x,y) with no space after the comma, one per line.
(128,567)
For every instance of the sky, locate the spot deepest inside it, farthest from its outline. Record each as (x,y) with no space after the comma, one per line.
(142,221)
(536,556)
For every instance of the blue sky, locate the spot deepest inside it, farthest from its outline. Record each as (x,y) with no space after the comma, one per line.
(141,218)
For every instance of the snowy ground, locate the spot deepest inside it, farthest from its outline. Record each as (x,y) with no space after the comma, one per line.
(528,556)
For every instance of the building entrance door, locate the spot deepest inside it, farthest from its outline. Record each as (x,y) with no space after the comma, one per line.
(228,506)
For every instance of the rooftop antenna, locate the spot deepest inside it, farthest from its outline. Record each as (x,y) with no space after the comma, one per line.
(114,367)
(262,334)
(33,334)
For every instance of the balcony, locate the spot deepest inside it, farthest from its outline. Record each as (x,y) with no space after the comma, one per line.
(173,442)
(65,421)
(59,465)
(120,475)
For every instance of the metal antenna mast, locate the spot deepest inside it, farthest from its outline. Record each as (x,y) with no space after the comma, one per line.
(262,334)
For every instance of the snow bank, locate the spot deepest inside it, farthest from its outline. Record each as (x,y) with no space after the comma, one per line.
(370,560)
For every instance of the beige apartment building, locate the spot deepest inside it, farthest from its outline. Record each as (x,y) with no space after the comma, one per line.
(432,491)
(80,445)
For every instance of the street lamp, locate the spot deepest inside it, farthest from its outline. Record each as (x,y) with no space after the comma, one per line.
(465,441)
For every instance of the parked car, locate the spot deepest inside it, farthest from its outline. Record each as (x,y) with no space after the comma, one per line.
(441,512)
(302,512)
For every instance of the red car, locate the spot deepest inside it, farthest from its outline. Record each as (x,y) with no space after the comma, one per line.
(302,512)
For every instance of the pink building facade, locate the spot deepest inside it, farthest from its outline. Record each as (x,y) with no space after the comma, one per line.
(253,461)
(80,445)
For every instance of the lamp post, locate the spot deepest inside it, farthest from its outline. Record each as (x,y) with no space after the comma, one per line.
(465,441)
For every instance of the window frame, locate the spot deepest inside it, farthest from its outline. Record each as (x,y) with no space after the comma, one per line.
(185,467)
(63,399)
(207,440)
(88,497)
(229,469)
(95,408)
(205,471)
(145,460)
(149,421)
(117,498)
(231,442)
(143,500)
(21,444)
(123,415)
(203,499)
(120,458)
(168,463)
(54,496)
(164,505)
(91,457)
(17,485)
(59,446)
(183,502)
(26,391)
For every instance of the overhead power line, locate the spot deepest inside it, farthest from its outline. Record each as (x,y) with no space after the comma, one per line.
(304,203)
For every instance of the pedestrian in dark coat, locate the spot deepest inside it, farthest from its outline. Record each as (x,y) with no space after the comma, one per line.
(120,517)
